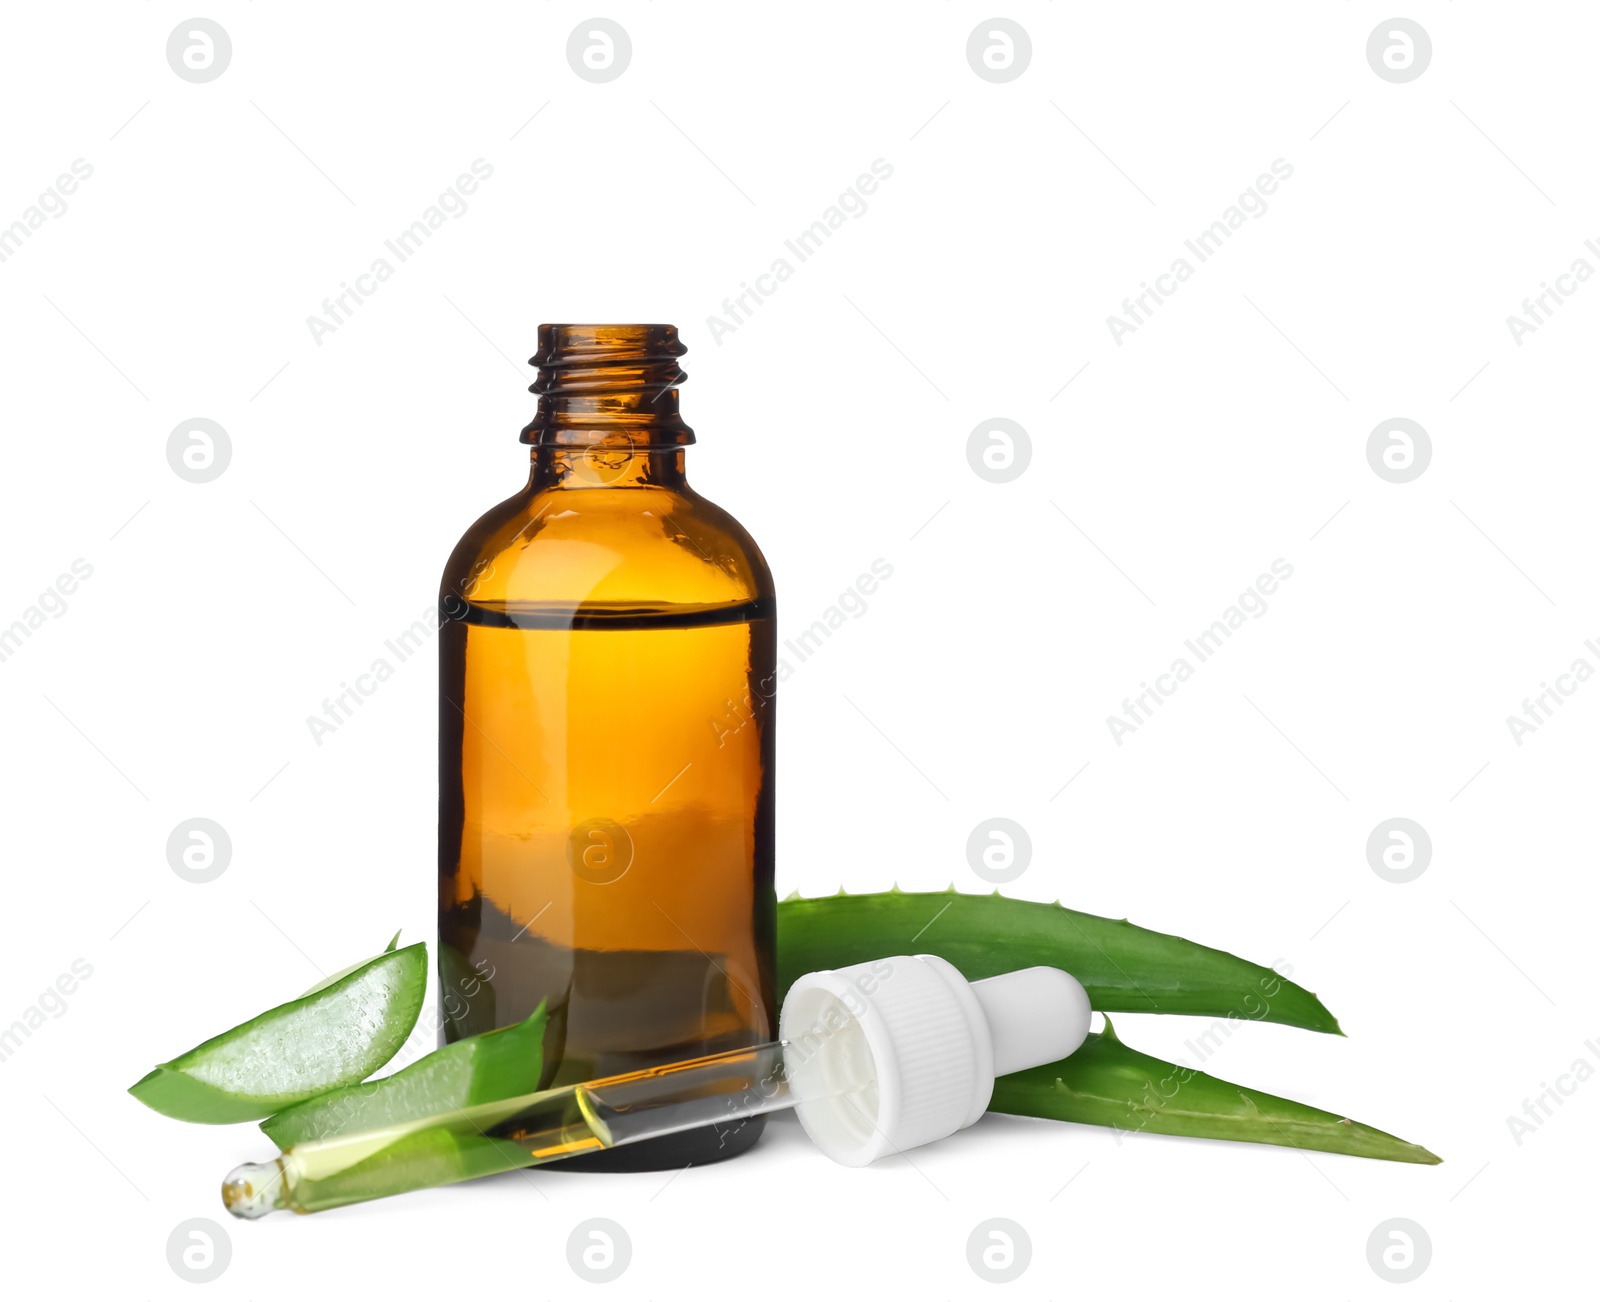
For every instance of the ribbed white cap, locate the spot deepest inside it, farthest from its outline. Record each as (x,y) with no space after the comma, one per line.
(886,1055)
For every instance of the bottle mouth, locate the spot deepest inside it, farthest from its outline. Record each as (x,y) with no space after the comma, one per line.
(616,384)
(575,347)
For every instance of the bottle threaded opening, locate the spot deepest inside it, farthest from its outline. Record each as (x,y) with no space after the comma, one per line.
(613,384)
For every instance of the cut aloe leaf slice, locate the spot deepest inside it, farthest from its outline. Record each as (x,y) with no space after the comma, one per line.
(335,1036)
(346,971)
(496,1065)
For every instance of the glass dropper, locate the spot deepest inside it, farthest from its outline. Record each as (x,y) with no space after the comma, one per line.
(530,1130)
(876,1058)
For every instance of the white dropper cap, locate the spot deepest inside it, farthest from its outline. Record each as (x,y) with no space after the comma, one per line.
(886,1055)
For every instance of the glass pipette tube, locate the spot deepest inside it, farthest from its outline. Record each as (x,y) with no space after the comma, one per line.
(532,1129)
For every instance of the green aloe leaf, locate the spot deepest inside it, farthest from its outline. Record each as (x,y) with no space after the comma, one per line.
(1125,969)
(335,1035)
(1108,1084)
(481,1069)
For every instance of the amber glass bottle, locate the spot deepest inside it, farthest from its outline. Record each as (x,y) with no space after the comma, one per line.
(607,667)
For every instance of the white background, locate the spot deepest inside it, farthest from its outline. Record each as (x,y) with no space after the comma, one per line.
(1227,432)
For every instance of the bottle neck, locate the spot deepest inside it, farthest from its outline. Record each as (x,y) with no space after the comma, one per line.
(607,465)
(608,406)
